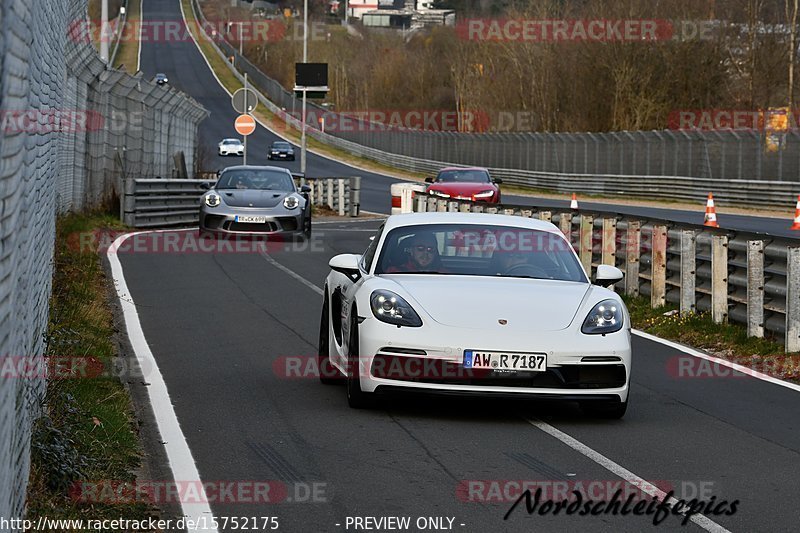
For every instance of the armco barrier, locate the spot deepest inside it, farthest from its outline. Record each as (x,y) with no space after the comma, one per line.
(151,203)
(747,278)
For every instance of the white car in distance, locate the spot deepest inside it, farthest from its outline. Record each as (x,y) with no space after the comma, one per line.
(475,304)
(231,147)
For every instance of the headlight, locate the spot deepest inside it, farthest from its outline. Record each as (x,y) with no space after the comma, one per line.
(212,200)
(606,317)
(440,193)
(390,308)
(291,202)
(484,194)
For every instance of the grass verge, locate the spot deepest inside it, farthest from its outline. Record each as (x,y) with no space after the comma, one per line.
(87,431)
(128,51)
(726,341)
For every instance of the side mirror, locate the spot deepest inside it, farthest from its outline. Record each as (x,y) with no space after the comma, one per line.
(498,181)
(429,179)
(346,264)
(205,186)
(607,275)
(305,189)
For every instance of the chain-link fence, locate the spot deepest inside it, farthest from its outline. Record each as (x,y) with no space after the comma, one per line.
(70,130)
(134,127)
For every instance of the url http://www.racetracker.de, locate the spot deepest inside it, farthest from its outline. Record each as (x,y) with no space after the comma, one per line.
(44,523)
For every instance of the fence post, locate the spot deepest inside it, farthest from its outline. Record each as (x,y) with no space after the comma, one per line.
(585,242)
(463,207)
(421,204)
(441,206)
(545,215)
(129,203)
(755,289)
(688,271)
(431,204)
(342,210)
(608,255)
(452,206)
(565,225)
(634,239)
(658,283)
(355,195)
(329,186)
(793,299)
(719,279)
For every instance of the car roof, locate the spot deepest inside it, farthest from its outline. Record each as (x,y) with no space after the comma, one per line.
(463,168)
(257,167)
(415,219)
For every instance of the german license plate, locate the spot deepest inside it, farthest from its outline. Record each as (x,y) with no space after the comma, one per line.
(251,219)
(528,362)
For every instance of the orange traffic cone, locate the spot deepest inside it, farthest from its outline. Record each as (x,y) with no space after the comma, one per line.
(574,203)
(711,213)
(796,224)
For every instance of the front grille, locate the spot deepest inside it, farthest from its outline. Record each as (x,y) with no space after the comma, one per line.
(251,227)
(435,371)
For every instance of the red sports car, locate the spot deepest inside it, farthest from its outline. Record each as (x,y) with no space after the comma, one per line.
(465,184)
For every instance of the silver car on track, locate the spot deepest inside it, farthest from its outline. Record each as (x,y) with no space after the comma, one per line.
(256,200)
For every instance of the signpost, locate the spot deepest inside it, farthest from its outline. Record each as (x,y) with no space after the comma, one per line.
(311,81)
(244,101)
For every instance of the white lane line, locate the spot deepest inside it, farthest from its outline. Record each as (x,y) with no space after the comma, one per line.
(181,462)
(716,360)
(292,273)
(644,485)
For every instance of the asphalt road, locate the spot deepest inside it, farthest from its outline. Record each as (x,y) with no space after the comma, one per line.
(223,327)
(187,71)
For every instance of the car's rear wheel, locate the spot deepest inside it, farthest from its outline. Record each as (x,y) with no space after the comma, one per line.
(328,373)
(608,410)
(356,398)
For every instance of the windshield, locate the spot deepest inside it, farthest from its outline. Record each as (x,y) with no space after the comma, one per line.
(471,176)
(479,250)
(259,179)
(281,145)
(231,141)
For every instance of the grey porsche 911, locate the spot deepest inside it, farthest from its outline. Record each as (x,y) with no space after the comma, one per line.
(256,200)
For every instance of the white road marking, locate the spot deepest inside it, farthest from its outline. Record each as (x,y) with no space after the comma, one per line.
(735,366)
(181,462)
(292,273)
(644,485)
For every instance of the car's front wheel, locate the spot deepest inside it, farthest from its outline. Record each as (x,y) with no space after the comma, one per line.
(327,372)
(609,410)
(356,398)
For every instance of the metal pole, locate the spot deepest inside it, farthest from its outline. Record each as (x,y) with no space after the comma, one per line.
(305,60)
(104,30)
(241,40)
(346,11)
(246,110)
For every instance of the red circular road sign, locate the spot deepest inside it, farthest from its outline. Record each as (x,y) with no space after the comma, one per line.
(245,124)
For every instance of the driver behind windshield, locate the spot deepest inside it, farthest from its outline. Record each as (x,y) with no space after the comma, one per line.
(422,253)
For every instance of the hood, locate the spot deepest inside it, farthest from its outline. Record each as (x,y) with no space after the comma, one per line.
(527,304)
(251,197)
(462,189)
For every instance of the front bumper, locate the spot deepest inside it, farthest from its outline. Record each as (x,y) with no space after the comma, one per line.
(279,221)
(430,359)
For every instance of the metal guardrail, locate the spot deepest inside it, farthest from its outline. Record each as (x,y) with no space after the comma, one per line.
(153,203)
(737,276)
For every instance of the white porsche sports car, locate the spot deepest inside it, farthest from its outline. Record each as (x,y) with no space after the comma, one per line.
(462,303)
